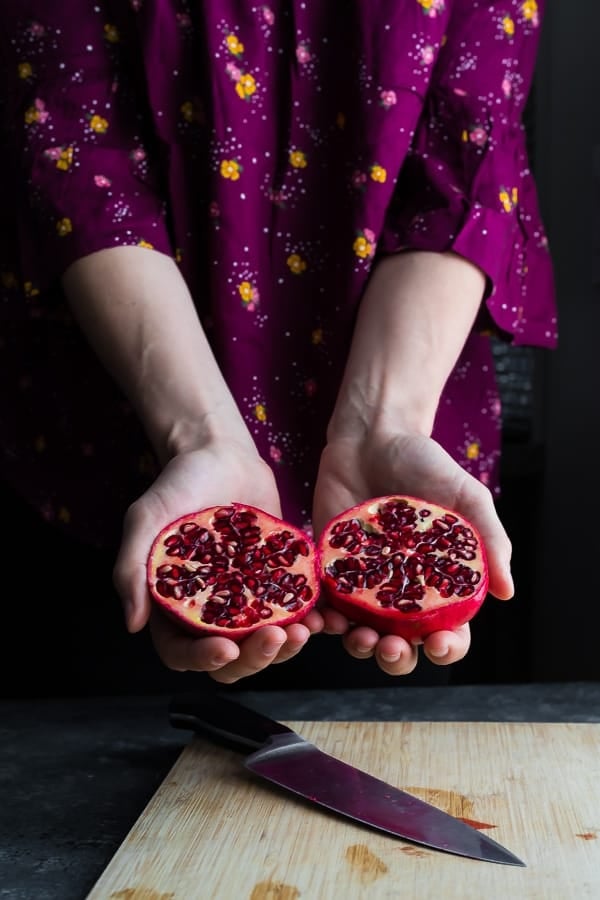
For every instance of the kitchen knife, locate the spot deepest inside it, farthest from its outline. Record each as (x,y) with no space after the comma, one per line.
(288,760)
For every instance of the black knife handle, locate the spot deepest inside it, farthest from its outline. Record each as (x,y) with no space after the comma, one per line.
(231,723)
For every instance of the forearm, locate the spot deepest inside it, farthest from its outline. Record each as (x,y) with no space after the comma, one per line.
(136,311)
(412,324)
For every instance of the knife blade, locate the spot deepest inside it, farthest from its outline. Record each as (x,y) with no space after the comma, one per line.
(286,759)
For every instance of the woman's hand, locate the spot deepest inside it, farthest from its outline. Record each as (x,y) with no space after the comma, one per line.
(354,471)
(210,476)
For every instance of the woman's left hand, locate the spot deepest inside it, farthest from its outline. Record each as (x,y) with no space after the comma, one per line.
(353,471)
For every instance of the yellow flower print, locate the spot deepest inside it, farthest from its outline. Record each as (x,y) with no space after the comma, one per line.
(298,159)
(178,255)
(245,86)
(145,244)
(317,336)
(508,198)
(364,244)
(65,160)
(64,515)
(246,291)
(234,45)
(187,111)
(472,450)
(30,290)
(508,26)
(64,227)
(111,33)
(230,168)
(378,173)
(340,121)
(432,7)
(260,412)
(25,70)
(9,280)
(31,115)
(530,11)
(98,124)
(362,247)
(296,264)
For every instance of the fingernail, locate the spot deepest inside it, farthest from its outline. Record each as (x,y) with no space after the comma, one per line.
(439,651)
(363,650)
(218,661)
(270,649)
(390,657)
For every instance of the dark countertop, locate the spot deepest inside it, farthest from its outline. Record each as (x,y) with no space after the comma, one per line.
(76,773)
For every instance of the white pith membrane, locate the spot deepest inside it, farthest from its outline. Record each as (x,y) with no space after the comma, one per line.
(402,554)
(232,567)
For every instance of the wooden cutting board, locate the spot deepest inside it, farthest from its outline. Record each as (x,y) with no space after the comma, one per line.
(213,831)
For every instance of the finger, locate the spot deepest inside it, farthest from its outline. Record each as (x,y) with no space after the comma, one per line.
(314,621)
(361,642)
(445,647)
(479,507)
(256,653)
(181,652)
(296,637)
(333,621)
(129,571)
(395,656)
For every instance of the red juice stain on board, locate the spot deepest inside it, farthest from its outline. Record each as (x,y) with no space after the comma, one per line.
(480,826)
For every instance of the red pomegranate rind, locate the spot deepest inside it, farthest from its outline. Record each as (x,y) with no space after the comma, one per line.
(403,566)
(229,570)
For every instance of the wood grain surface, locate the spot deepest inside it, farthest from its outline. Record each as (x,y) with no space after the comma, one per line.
(213,831)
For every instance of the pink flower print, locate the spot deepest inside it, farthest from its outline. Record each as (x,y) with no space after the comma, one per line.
(36,29)
(234,72)
(478,136)
(138,155)
(183,20)
(136,5)
(310,387)
(102,181)
(53,153)
(278,198)
(506,87)
(42,113)
(369,235)
(275,453)
(388,99)
(214,210)
(359,179)
(427,54)
(303,54)
(484,477)
(268,15)
(459,92)
(496,407)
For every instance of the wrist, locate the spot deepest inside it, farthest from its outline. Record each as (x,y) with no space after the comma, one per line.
(360,415)
(416,314)
(217,427)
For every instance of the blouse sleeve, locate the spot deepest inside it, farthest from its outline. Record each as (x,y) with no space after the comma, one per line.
(466,185)
(76,163)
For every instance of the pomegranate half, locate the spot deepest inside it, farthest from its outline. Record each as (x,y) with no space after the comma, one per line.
(403,566)
(229,570)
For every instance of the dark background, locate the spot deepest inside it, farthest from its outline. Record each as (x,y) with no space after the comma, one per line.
(64,631)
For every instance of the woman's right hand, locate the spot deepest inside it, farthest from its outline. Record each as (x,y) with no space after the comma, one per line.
(213,475)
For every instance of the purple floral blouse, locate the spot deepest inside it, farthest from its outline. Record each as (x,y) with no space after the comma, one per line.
(274,150)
